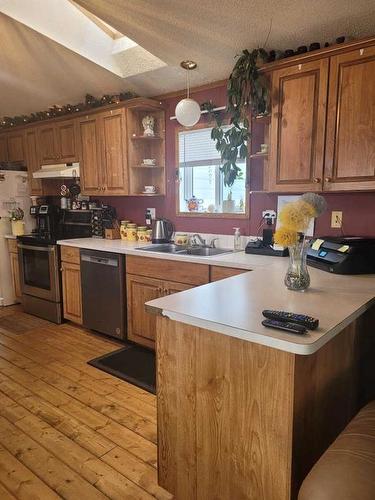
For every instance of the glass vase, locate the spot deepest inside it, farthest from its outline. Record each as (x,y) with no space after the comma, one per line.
(297,276)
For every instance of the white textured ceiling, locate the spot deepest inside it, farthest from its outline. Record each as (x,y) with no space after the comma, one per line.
(212,32)
(36,72)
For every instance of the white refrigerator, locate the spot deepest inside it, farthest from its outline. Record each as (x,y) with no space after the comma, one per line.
(14,192)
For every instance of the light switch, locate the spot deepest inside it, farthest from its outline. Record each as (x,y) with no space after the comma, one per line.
(336,219)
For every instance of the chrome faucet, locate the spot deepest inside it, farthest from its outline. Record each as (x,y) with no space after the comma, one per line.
(212,244)
(197,240)
(197,237)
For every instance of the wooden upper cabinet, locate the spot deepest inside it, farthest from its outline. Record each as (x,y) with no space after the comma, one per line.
(296,158)
(32,160)
(103,164)
(47,144)
(16,147)
(114,154)
(67,141)
(350,146)
(58,142)
(90,164)
(3,147)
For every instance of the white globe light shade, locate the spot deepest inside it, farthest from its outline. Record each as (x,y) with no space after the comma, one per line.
(188,112)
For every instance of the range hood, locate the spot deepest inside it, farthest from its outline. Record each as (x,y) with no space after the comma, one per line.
(58,171)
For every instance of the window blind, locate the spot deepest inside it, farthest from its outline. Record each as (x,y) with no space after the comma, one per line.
(197,149)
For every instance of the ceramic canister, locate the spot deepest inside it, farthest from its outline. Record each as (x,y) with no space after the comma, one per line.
(142,234)
(131,232)
(181,239)
(123,226)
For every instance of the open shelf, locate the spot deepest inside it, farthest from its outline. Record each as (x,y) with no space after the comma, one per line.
(142,146)
(148,166)
(146,138)
(147,195)
(259,155)
(262,118)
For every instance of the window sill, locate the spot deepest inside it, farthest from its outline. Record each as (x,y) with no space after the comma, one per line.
(208,215)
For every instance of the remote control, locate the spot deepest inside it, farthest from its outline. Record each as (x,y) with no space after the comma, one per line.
(283,325)
(298,319)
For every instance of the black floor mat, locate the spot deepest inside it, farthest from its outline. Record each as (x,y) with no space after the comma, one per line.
(134,364)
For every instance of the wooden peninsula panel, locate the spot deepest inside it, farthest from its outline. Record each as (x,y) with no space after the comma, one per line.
(219,399)
(239,420)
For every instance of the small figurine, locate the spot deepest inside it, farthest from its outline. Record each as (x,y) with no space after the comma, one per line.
(148,123)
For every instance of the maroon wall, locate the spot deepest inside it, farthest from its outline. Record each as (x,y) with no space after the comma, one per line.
(358,208)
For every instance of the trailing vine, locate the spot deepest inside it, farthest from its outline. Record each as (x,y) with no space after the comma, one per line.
(248,95)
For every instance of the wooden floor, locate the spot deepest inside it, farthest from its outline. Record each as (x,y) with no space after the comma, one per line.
(68,430)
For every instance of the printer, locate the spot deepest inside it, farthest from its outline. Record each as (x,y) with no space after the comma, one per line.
(342,255)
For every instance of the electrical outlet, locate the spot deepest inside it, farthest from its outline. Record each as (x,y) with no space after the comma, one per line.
(336,219)
(152,212)
(269,214)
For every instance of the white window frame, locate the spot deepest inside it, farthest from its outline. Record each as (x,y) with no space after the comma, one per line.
(219,186)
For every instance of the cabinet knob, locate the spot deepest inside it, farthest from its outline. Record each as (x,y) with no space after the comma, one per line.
(316,180)
(328,179)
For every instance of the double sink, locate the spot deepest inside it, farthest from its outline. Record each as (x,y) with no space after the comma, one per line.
(200,251)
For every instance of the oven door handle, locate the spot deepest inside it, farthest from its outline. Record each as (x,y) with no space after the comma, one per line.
(39,249)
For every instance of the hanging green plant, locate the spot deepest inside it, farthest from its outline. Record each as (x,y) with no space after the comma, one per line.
(248,95)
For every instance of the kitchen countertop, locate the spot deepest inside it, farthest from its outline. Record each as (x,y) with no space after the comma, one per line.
(10,237)
(235,259)
(234,306)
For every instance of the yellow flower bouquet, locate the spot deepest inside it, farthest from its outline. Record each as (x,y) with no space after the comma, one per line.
(294,220)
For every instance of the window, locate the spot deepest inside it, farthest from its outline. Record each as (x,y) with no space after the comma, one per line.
(201,184)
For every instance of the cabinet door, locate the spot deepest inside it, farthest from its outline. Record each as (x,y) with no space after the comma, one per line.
(141,324)
(350,147)
(218,273)
(67,141)
(32,161)
(14,264)
(3,148)
(299,95)
(113,137)
(48,152)
(170,287)
(72,296)
(16,150)
(90,164)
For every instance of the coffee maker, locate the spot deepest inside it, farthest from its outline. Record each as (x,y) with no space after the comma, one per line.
(48,224)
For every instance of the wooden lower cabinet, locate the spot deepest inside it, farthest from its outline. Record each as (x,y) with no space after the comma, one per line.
(72,300)
(71,284)
(14,264)
(220,273)
(141,289)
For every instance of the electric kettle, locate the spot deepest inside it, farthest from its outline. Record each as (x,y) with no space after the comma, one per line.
(162,231)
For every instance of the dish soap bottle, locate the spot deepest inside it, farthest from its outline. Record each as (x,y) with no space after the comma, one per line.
(237,238)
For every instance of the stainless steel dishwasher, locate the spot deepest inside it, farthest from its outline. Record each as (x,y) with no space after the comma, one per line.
(104,292)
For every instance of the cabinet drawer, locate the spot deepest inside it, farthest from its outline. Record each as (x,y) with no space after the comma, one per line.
(181,272)
(70,254)
(12,246)
(220,273)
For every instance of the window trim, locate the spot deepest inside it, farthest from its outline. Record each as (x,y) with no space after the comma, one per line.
(225,215)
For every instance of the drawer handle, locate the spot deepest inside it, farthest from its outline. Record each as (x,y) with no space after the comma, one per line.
(316,180)
(328,179)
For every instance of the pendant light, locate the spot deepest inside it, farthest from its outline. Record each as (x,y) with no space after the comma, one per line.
(188,111)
